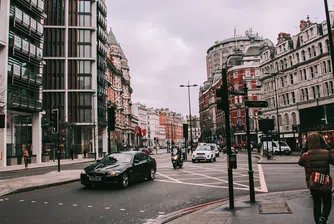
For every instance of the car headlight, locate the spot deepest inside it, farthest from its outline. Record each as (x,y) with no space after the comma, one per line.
(83,172)
(175,157)
(114,173)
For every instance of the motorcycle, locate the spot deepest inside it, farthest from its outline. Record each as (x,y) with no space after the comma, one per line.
(176,159)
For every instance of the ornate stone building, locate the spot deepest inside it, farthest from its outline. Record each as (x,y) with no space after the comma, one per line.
(241,55)
(119,91)
(298,71)
(173,123)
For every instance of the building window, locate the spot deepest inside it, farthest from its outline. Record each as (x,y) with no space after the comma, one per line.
(287,99)
(291,79)
(303,56)
(297,56)
(327,45)
(320,48)
(329,66)
(309,53)
(305,74)
(302,95)
(315,70)
(282,81)
(318,91)
(293,97)
(294,118)
(280,120)
(314,51)
(285,63)
(306,94)
(314,92)
(300,75)
(291,63)
(312,73)
(324,67)
(287,122)
(326,90)
(331,87)
(284,100)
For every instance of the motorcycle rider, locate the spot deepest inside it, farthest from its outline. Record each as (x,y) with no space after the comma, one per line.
(179,151)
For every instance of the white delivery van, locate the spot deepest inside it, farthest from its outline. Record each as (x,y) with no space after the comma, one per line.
(274,147)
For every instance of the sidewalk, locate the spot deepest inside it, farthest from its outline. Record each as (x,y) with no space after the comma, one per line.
(292,207)
(46,164)
(293,159)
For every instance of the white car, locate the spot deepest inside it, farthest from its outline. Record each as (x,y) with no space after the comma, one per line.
(204,153)
(216,148)
(274,147)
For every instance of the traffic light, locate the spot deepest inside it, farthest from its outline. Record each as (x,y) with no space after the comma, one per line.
(55,121)
(185,131)
(220,102)
(2,121)
(111,118)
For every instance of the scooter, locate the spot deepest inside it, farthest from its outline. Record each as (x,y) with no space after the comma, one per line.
(177,161)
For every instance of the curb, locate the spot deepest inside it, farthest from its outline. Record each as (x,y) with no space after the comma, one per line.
(53,165)
(261,161)
(162,219)
(21,190)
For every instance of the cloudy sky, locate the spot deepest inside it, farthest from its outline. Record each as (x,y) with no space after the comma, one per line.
(166,41)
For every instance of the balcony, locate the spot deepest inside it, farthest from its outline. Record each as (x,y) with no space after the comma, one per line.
(19,102)
(20,76)
(101,63)
(102,34)
(101,79)
(102,7)
(102,20)
(35,6)
(24,50)
(26,24)
(102,49)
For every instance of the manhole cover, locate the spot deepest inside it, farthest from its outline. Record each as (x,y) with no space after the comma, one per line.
(274,208)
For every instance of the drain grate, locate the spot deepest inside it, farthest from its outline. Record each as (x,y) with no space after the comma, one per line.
(274,208)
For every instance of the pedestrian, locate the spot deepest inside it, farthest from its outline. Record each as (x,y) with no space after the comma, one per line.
(26,158)
(316,160)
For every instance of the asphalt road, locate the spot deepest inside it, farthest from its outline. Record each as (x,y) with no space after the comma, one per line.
(172,190)
(41,170)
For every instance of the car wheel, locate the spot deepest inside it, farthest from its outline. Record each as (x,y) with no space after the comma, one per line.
(124,180)
(218,155)
(151,175)
(214,159)
(193,160)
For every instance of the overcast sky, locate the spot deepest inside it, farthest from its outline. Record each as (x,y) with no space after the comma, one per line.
(166,41)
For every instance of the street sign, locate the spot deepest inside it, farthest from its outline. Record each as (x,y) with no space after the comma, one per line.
(250,103)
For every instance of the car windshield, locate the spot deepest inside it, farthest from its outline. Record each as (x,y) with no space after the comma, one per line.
(117,157)
(203,148)
(283,144)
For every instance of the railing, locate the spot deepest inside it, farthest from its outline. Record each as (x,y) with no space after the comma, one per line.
(102,7)
(20,102)
(102,33)
(102,20)
(36,6)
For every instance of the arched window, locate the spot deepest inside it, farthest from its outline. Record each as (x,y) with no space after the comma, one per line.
(285,63)
(314,51)
(309,52)
(287,123)
(290,60)
(303,55)
(280,120)
(297,56)
(276,67)
(320,48)
(328,47)
(281,64)
(294,118)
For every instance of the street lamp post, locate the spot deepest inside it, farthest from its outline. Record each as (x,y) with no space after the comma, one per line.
(190,119)
(330,36)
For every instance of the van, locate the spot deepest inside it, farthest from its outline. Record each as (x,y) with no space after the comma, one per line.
(274,147)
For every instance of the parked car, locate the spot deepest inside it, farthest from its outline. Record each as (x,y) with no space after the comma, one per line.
(119,168)
(204,153)
(148,151)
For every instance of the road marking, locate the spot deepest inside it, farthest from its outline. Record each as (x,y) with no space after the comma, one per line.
(60,203)
(21,200)
(122,209)
(168,177)
(161,213)
(141,211)
(1,199)
(106,208)
(75,205)
(46,202)
(194,178)
(33,201)
(90,206)
(262,179)
(6,199)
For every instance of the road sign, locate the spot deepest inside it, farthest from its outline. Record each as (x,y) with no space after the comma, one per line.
(250,103)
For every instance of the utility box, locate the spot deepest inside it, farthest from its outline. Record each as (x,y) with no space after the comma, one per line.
(232,161)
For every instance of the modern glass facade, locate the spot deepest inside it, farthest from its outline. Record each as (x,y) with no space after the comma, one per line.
(74,80)
(24,80)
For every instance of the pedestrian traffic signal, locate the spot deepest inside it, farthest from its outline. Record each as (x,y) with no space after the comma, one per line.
(185,131)
(55,121)
(112,118)
(220,102)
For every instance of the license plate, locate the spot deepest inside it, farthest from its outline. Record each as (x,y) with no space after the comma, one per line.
(95,178)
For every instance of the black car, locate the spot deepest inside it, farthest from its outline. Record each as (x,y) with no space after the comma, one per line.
(120,168)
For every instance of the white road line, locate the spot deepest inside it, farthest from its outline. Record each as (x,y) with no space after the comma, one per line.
(168,177)
(194,178)
(262,179)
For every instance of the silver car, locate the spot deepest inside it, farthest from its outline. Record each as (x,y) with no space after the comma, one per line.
(204,153)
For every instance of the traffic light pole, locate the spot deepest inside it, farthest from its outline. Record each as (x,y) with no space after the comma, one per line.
(58,152)
(228,134)
(250,168)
